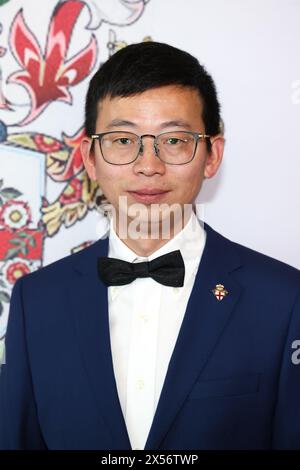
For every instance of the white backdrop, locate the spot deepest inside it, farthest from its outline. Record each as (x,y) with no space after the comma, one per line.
(251,48)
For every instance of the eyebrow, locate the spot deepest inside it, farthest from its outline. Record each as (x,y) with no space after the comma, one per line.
(175,123)
(120,123)
(124,122)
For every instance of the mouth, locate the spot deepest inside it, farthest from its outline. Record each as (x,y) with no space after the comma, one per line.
(148,196)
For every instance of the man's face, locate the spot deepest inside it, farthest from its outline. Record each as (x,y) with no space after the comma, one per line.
(164,109)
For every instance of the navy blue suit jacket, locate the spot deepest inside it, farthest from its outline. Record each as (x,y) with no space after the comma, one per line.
(231,381)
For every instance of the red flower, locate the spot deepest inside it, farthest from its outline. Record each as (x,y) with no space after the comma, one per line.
(48,76)
(16,270)
(15,215)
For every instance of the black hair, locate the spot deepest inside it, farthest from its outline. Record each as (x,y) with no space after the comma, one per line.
(146,65)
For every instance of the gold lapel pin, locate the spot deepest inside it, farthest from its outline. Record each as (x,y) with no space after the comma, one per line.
(219,292)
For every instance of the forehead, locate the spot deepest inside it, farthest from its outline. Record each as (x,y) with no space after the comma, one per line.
(155,106)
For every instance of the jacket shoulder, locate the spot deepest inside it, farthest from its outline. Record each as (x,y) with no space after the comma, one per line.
(59,271)
(256,263)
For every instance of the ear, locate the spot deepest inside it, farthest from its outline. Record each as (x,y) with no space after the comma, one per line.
(214,157)
(88,157)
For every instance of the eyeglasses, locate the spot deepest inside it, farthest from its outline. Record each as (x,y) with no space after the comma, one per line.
(173,148)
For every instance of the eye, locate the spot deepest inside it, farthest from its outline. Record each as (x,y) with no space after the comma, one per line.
(173,140)
(123,141)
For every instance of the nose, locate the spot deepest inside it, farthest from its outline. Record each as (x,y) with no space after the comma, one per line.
(148,162)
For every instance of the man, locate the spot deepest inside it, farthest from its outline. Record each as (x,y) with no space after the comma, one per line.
(166,335)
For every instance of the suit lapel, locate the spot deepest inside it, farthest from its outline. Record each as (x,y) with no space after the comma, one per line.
(90,311)
(203,324)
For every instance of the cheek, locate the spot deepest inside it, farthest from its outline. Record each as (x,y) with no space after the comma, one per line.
(189,182)
(109,178)
(106,173)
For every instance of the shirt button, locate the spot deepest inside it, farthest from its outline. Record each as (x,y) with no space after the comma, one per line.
(140,384)
(176,290)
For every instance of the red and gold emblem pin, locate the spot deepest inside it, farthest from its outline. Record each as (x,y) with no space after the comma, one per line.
(219,292)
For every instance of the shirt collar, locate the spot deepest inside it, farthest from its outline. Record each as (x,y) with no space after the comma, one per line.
(190,241)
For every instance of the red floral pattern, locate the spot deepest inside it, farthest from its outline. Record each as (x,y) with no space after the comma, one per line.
(48,76)
(15,215)
(16,270)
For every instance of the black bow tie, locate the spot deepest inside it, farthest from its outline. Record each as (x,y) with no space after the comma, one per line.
(167,270)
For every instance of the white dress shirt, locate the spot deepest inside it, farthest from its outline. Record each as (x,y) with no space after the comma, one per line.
(144,321)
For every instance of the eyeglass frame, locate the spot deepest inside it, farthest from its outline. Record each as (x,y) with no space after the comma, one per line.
(197,136)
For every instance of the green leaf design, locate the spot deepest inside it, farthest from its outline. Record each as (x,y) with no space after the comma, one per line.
(1,183)
(32,242)
(15,241)
(11,253)
(10,193)
(2,283)
(23,235)
(1,201)
(2,2)
(24,250)
(4,297)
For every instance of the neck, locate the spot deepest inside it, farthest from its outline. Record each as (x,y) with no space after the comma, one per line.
(144,243)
